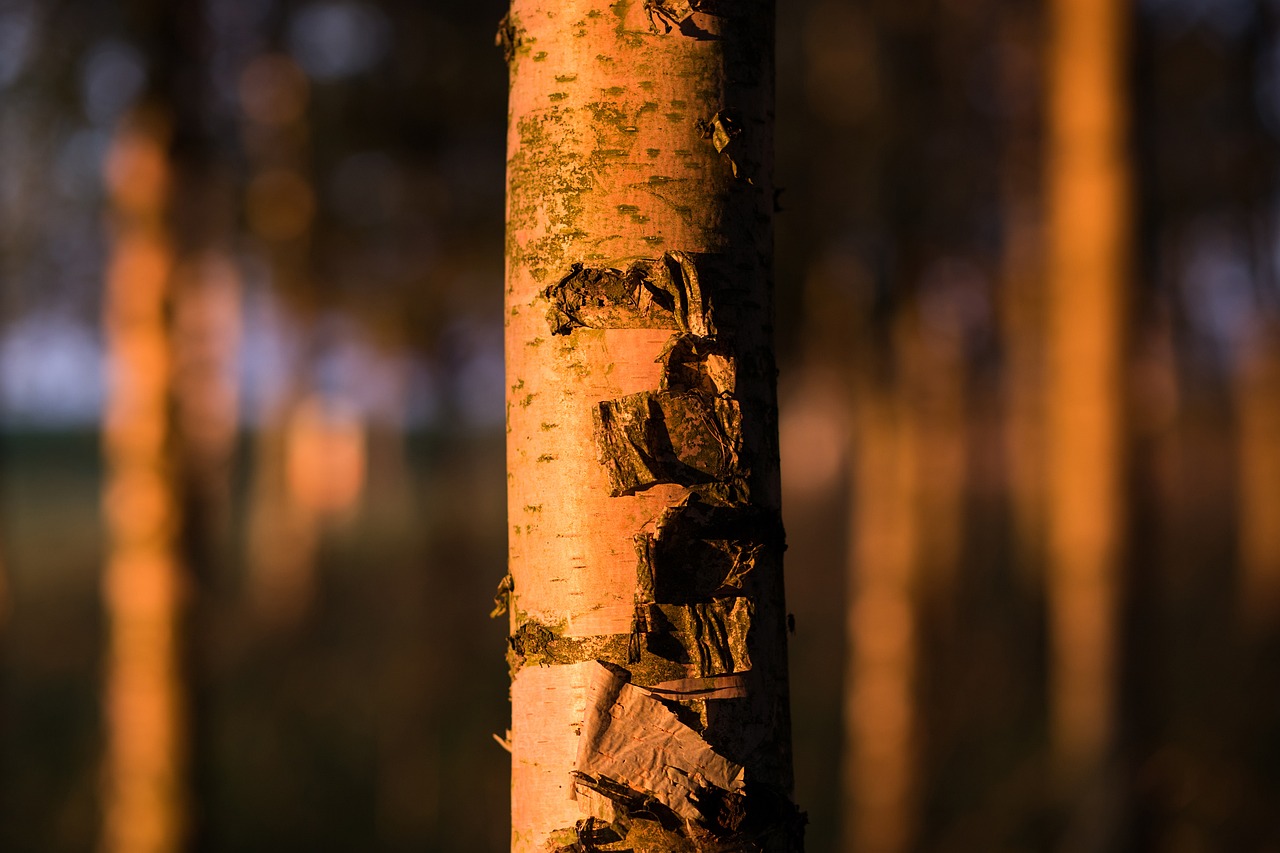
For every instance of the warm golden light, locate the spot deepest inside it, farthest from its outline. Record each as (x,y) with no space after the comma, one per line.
(144,808)
(1085,286)
(881,630)
(325,457)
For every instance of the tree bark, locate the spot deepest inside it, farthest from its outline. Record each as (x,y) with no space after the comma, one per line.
(649,687)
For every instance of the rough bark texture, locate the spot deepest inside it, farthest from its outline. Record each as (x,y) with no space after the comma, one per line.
(645,593)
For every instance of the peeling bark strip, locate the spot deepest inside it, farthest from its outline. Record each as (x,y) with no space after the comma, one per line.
(661,437)
(668,641)
(688,432)
(643,491)
(633,739)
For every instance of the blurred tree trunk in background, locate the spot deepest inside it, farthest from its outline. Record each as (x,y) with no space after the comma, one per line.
(1086,284)
(280,203)
(1257,400)
(880,784)
(910,478)
(171,316)
(1021,289)
(145,796)
(643,486)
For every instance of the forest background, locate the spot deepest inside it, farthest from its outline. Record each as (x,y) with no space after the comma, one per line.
(347,322)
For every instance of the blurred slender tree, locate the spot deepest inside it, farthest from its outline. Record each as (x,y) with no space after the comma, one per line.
(642,452)
(170,314)
(1257,400)
(1086,285)
(881,783)
(145,797)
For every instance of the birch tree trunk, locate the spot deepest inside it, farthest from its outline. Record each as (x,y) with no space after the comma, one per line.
(647,648)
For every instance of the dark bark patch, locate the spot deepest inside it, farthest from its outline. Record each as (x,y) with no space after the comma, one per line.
(712,633)
(667,437)
(651,293)
(532,642)
(703,550)
(592,832)
(609,299)
(757,818)
(661,658)
(665,14)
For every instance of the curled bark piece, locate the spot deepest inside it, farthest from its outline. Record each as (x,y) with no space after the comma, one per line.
(724,131)
(665,437)
(651,293)
(634,741)
(502,598)
(508,38)
(680,274)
